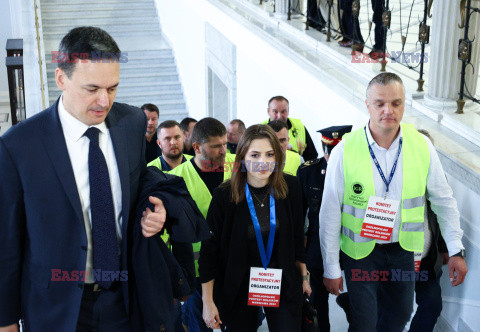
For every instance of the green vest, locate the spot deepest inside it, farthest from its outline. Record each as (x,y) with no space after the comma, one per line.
(296,133)
(292,163)
(199,191)
(158,164)
(359,186)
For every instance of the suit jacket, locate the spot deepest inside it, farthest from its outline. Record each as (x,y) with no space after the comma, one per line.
(158,275)
(42,226)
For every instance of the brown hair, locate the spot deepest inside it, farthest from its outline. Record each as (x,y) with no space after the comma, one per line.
(239,175)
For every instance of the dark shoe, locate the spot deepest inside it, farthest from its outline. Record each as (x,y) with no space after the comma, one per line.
(345,43)
(344,303)
(377,55)
(358,48)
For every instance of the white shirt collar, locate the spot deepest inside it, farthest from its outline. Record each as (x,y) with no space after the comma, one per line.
(72,127)
(373,143)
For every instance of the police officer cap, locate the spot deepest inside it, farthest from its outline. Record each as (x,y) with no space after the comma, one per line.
(331,136)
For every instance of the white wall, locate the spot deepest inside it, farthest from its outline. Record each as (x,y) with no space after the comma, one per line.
(463,302)
(262,72)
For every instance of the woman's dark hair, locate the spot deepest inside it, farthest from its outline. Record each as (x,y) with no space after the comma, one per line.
(239,174)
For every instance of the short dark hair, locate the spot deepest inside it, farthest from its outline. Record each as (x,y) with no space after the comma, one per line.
(278,98)
(206,128)
(150,108)
(86,40)
(278,125)
(241,125)
(186,122)
(167,124)
(384,79)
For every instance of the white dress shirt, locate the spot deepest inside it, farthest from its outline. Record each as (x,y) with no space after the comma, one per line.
(78,147)
(438,193)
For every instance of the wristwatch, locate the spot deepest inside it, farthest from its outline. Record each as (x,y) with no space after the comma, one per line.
(461,253)
(307,277)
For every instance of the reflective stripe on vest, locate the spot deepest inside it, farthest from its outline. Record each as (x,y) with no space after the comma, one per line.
(297,132)
(359,186)
(199,191)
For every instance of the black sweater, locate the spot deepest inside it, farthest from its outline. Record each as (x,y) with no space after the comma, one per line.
(225,256)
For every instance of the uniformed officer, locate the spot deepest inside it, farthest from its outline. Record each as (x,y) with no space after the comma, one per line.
(300,140)
(312,177)
(170,140)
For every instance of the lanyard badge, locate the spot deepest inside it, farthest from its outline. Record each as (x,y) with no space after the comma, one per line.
(264,284)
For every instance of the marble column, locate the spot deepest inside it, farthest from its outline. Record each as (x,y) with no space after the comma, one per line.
(444,72)
(281,7)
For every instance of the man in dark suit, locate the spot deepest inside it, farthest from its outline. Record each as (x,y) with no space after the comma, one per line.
(70,178)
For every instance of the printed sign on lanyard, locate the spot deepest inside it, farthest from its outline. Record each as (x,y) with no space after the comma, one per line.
(418,260)
(379,218)
(265,284)
(264,287)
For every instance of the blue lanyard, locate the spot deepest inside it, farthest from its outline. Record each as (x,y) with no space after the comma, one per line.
(264,255)
(394,167)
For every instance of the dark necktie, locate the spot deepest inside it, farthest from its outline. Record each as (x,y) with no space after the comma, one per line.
(104,235)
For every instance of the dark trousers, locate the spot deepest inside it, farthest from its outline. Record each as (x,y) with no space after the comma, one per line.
(428,296)
(380,35)
(394,296)
(279,319)
(103,311)
(244,318)
(313,13)
(319,298)
(350,24)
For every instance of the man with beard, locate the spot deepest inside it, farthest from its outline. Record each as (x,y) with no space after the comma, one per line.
(152,150)
(300,140)
(202,174)
(170,141)
(187,125)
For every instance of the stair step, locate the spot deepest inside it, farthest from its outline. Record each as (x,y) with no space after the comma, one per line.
(149,76)
(103,23)
(67,13)
(115,34)
(73,2)
(164,95)
(62,30)
(94,6)
(170,68)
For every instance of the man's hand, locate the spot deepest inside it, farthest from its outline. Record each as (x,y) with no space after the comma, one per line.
(152,222)
(457,269)
(10,328)
(333,286)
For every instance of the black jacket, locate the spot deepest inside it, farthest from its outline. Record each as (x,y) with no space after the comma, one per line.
(158,276)
(224,257)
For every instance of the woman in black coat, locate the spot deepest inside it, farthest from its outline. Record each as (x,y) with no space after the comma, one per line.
(258,190)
